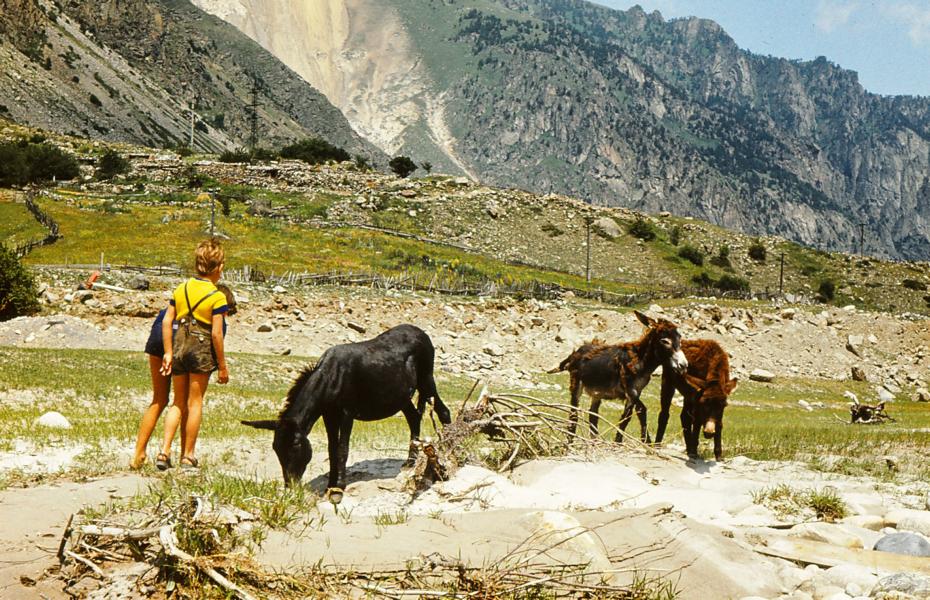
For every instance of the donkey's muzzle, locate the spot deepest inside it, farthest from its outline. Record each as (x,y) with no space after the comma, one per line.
(710,428)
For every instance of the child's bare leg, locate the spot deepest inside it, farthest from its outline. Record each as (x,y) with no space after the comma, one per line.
(161,385)
(198,387)
(177,413)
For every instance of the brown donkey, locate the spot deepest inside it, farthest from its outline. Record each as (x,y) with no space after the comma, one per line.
(705,385)
(608,372)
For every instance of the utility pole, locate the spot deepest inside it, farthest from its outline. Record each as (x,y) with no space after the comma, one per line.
(212,212)
(587,271)
(781,276)
(861,238)
(191,144)
(253,117)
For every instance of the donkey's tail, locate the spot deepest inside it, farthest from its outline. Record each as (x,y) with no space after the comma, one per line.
(564,365)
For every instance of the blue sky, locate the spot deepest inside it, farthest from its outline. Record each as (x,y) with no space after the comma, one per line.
(886,41)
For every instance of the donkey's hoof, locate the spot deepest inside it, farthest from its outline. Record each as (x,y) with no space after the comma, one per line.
(334,495)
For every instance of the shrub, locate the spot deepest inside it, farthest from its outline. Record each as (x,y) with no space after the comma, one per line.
(642,229)
(827,290)
(691,254)
(427,166)
(314,151)
(95,101)
(757,251)
(731,283)
(674,236)
(111,164)
(723,257)
(361,163)
(703,280)
(402,166)
(17,287)
(260,154)
(913,284)
(25,162)
(240,155)
(552,230)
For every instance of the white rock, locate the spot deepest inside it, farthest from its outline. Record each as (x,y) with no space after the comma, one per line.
(884,395)
(805,405)
(655,308)
(846,574)
(278,289)
(870,522)
(761,375)
(493,350)
(826,532)
(910,520)
(53,420)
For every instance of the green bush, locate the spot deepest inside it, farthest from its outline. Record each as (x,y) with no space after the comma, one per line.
(111,164)
(722,259)
(827,290)
(642,229)
(703,280)
(240,155)
(913,284)
(314,151)
(674,236)
(362,163)
(731,283)
(427,166)
(692,254)
(757,251)
(24,162)
(402,166)
(17,287)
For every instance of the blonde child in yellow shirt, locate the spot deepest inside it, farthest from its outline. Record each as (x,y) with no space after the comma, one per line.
(193,337)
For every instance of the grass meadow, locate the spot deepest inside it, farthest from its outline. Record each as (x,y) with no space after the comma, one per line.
(103,394)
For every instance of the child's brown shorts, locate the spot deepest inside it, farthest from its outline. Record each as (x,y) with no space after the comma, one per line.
(192,347)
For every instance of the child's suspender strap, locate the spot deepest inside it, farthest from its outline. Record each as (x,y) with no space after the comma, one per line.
(188,300)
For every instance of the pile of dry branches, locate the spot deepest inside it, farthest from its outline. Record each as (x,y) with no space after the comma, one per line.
(520,427)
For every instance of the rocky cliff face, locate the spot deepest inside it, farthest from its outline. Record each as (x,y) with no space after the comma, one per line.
(130,70)
(623,108)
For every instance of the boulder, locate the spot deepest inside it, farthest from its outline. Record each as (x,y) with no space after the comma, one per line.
(265,328)
(53,420)
(356,327)
(608,227)
(858,374)
(916,586)
(788,313)
(492,350)
(884,395)
(923,395)
(909,520)
(827,533)
(138,282)
(870,522)
(82,296)
(904,542)
(854,344)
(845,574)
(761,375)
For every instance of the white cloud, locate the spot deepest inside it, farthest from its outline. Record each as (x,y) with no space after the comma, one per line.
(832,14)
(915,18)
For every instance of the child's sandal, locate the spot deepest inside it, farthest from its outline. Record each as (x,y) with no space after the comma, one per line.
(162,461)
(189,463)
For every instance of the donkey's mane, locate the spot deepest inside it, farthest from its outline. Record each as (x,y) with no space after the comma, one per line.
(296,387)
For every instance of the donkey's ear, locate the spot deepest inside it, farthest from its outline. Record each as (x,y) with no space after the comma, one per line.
(271,424)
(644,319)
(697,382)
(731,385)
(881,406)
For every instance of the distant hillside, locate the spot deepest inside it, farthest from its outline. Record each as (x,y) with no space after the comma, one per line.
(619,108)
(127,70)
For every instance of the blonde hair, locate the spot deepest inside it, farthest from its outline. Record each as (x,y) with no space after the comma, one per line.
(209,256)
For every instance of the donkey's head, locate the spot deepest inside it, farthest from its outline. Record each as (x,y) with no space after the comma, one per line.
(712,399)
(664,339)
(290,444)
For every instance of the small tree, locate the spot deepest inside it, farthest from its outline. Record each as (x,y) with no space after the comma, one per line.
(362,163)
(642,229)
(827,290)
(692,254)
(402,166)
(730,283)
(17,287)
(723,257)
(314,151)
(111,164)
(757,251)
(674,236)
(427,166)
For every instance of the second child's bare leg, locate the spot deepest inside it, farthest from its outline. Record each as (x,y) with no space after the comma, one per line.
(161,386)
(177,413)
(196,392)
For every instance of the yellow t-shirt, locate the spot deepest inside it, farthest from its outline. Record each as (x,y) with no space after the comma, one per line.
(198,288)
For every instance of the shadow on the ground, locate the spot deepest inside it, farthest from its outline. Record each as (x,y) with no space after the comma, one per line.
(365,470)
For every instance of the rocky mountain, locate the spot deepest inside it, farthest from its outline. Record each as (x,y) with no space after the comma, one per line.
(129,70)
(619,108)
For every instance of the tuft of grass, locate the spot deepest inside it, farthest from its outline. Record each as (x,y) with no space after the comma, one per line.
(386,518)
(786,500)
(827,504)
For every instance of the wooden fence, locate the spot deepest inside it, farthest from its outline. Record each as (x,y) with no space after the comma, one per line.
(46,221)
